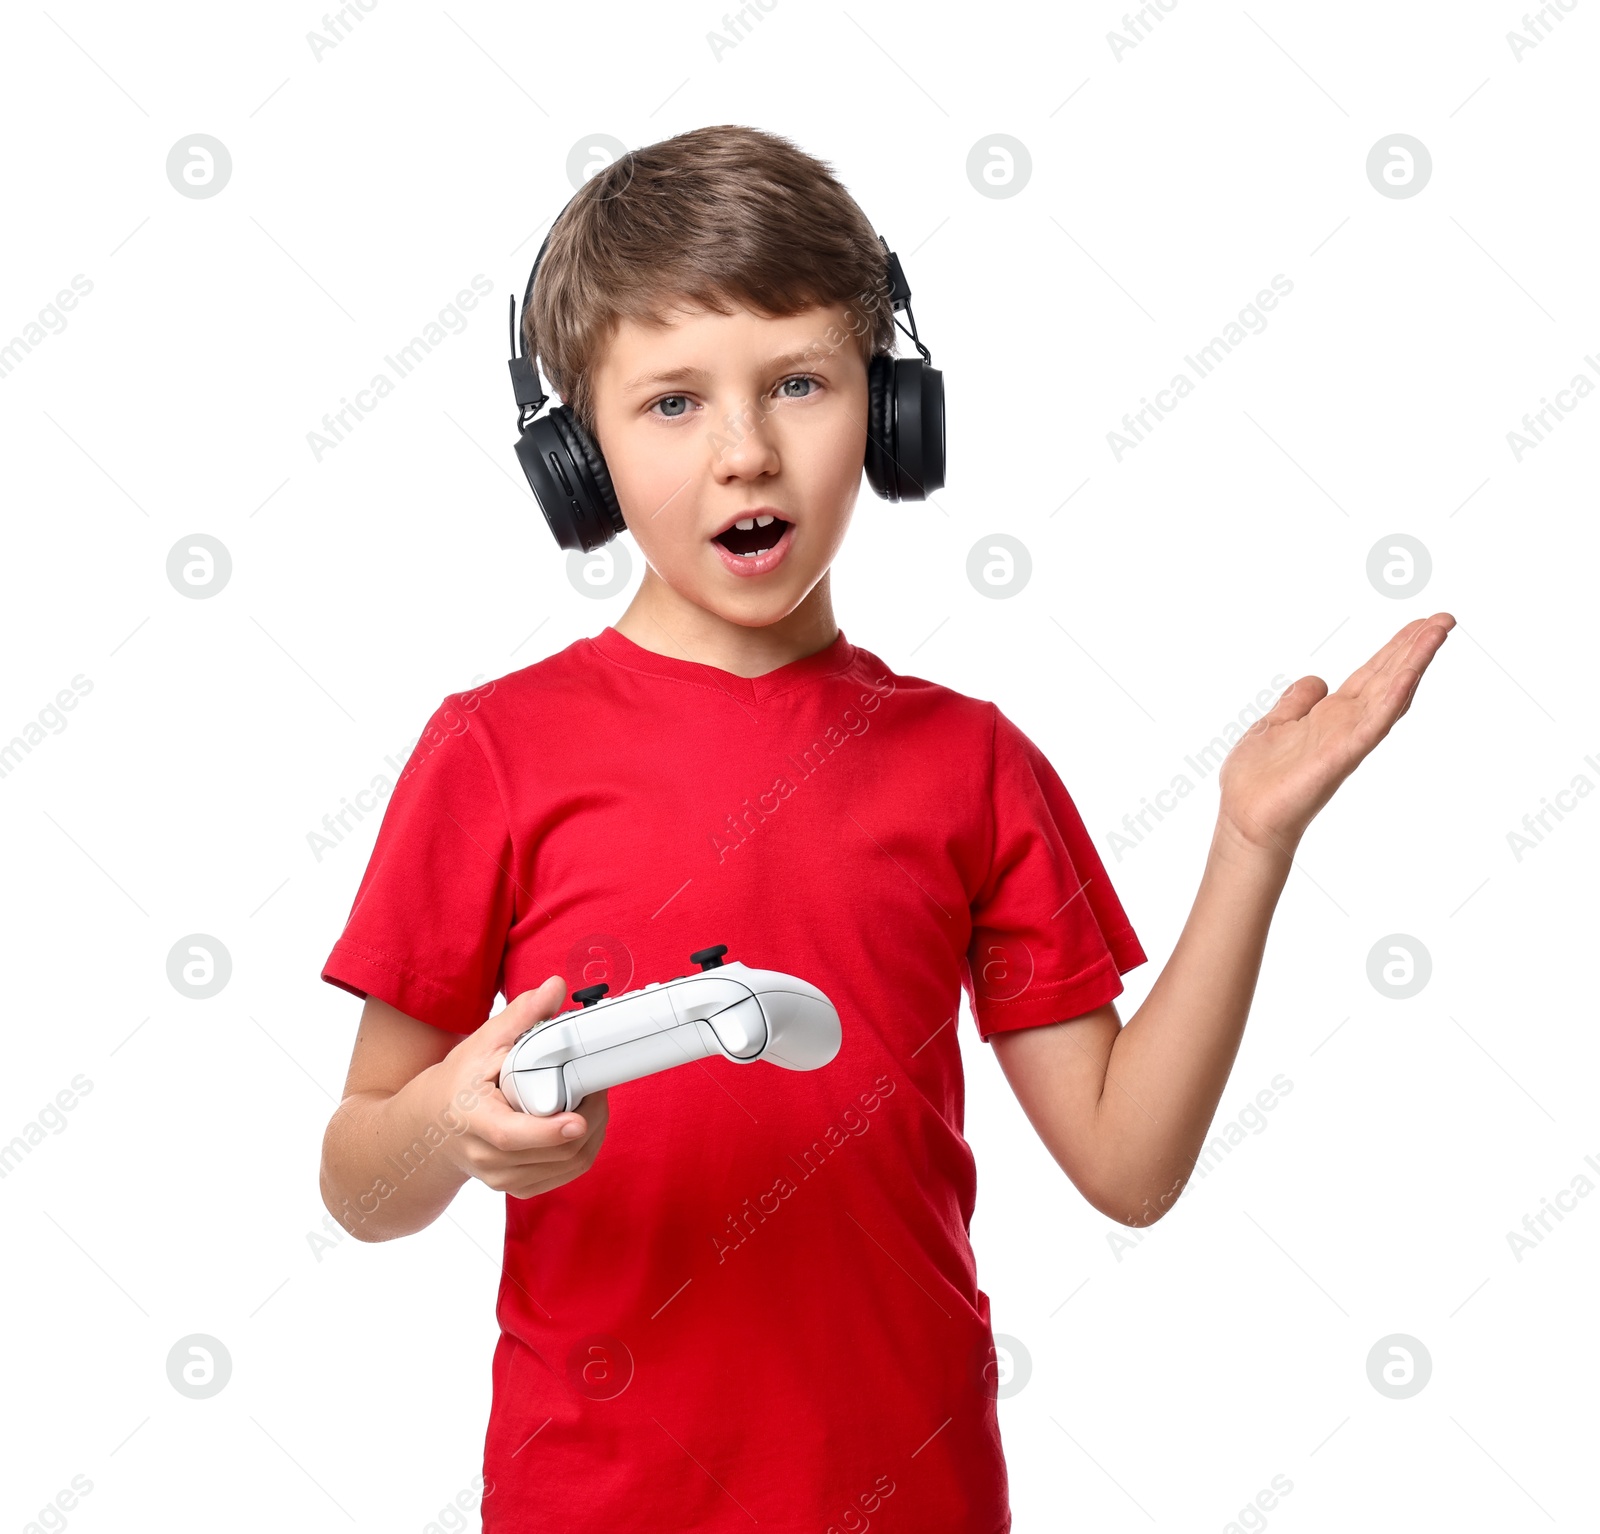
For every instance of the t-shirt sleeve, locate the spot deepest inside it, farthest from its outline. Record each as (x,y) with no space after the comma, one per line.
(1050,940)
(427,931)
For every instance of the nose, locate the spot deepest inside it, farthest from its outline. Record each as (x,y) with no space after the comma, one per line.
(745,448)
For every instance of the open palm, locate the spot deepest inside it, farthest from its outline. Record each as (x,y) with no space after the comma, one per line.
(1289,762)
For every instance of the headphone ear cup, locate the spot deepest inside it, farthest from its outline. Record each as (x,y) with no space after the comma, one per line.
(919,427)
(905,428)
(880,426)
(602,516)
(570,481)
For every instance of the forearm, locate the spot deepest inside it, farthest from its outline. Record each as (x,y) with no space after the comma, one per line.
(382,1171)
(1170,1062)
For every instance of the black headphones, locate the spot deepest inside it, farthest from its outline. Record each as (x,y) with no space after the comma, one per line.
(568,475)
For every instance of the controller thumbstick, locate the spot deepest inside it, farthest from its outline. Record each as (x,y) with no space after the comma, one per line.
(590,994)
(709,958)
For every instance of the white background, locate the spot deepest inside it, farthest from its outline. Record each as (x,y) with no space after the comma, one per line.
(1171,1381)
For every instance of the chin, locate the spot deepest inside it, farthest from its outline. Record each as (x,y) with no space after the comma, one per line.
(744,604)
(753,613)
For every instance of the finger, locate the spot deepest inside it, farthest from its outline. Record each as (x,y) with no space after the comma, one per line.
(547,1182)
(570,1161)
(1295,701)
(518,1015)
(512,1133)
(1424,646)
(1384,657)
(556,1134)
(527,1166)
(1410,692)
(1400,689)
(1420,637)
(1410,675)
(1396,700)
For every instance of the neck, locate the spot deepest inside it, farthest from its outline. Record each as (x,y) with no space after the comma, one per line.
(660,619)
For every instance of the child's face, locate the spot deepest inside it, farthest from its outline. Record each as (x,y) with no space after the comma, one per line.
(722,416)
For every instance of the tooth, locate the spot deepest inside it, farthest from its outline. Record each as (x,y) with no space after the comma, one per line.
(745,523)
(763,521)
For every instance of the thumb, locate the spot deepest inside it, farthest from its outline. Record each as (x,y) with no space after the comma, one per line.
(521,1013)
(1294,702)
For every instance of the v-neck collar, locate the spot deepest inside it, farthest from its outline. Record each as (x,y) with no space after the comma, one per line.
(833,657)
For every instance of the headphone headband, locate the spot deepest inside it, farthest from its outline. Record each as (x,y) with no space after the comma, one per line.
(530,394)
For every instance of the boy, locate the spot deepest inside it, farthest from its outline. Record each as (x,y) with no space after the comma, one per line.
(749,1297)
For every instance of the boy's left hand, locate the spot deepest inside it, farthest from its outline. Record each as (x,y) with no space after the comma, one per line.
(1290,761)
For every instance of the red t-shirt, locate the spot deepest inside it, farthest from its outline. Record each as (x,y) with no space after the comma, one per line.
(759,1307)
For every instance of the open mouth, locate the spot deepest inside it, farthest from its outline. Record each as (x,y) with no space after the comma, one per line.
(753,535)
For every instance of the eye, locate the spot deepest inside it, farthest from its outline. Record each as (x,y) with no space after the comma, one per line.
(670,400)
(799,378)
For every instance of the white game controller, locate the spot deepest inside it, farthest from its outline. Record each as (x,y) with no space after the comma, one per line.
(726,1009)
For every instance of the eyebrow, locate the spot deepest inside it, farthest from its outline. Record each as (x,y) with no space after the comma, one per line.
(699,375)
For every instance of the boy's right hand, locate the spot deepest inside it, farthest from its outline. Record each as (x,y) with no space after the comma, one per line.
(522,1154)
